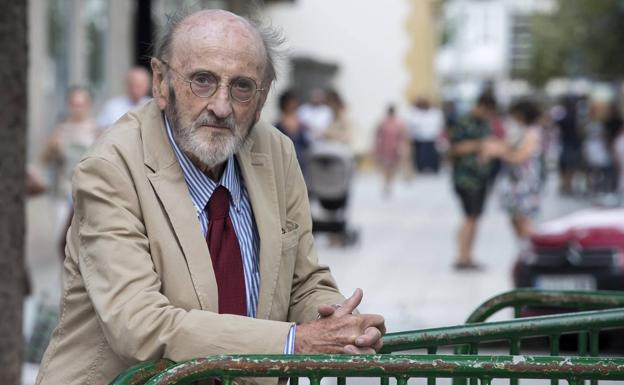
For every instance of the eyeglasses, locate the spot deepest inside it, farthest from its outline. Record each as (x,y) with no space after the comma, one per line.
(205,84)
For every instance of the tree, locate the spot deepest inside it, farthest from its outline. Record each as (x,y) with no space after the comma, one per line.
(580,38)
(13,75)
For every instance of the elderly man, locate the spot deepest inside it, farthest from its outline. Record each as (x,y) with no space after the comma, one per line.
(192,232)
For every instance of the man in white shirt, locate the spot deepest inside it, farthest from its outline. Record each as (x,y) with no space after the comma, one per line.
(425,124)
(137,92)
(316,114)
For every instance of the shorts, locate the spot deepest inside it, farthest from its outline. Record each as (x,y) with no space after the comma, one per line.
(472,200)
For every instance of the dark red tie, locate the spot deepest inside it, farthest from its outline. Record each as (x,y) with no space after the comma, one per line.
(226,255)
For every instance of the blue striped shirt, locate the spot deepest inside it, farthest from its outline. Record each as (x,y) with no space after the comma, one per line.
(201,188)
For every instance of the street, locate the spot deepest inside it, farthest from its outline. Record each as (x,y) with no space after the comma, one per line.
(404,260)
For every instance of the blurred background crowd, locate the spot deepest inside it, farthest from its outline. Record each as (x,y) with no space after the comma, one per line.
(426,109)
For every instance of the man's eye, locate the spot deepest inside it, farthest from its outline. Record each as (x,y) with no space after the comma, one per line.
(204,80)
(243,85)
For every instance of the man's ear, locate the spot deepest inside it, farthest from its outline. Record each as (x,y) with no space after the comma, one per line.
(263,97)
(160,88)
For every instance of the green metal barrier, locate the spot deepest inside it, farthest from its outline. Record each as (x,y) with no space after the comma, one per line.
(566,299)
(468,338)
(513,331)
(465,364)
(433,366)
(400,367)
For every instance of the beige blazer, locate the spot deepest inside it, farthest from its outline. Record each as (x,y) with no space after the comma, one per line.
(138,282)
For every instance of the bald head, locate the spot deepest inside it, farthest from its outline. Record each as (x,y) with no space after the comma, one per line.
(225,28)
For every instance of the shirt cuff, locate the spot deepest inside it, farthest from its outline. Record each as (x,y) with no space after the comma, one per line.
(289,348)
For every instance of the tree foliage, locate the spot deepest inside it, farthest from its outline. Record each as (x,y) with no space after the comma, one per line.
(580,38)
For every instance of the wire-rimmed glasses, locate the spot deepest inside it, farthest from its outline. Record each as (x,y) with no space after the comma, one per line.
(205,84)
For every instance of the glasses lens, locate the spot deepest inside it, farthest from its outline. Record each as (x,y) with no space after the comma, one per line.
(204,84)
(242,89)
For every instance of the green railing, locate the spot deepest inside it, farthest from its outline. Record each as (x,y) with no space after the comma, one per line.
(400,367)
(467,339)
(562,299)
(464,365)
(513,331)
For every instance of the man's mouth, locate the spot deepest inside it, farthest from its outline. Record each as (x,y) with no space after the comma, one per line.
(219,127)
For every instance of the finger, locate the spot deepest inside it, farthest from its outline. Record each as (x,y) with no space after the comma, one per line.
(349,305)
(378,345)
(352,349)
(325,310)
(375,320)
(369,338)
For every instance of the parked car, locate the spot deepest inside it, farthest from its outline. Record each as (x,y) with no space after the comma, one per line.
(580,251)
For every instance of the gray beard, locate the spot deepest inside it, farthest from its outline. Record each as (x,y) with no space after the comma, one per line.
(210,153)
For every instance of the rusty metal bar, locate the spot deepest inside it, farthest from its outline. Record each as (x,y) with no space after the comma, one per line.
(139,373)
(520,298)
(401,367)
(504,330)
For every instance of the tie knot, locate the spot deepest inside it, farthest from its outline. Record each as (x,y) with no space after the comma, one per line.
(219,203)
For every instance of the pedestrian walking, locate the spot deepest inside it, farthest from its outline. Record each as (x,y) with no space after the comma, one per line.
(570,157)
(522,173)
(316,114)
(426,124)
(390,141)
(68,144)
(73,136)
(340,130)
(597,151)
(290,124)
(470,174)
(618,155)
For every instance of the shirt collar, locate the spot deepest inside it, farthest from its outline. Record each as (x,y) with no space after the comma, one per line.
(201,186)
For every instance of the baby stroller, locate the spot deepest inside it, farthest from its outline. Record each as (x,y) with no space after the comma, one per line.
(330,168)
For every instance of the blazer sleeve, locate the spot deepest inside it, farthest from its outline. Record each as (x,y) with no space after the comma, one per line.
(138,321)
(313,284)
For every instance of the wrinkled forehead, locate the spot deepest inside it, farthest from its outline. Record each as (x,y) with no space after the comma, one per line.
(227,36)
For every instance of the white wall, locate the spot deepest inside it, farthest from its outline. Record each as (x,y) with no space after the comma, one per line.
(366,38)
(480,45)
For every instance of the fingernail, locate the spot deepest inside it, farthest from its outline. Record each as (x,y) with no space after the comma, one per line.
(359,341)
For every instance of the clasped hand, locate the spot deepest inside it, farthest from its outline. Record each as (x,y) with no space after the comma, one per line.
(338,330)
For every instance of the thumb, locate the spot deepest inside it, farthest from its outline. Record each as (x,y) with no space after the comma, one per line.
(350,304)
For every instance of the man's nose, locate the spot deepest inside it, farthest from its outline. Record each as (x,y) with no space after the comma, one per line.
(221,103)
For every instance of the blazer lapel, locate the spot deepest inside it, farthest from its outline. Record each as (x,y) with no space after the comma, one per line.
(259,179)
(168,182)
